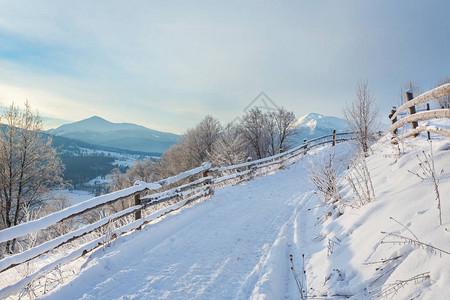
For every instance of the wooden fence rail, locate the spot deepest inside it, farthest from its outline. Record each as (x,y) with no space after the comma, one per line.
(414,117)
(141,203)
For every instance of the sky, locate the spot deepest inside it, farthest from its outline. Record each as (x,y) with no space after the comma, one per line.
(167,64)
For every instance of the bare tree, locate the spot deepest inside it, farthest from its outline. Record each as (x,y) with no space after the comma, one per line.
(201,138)
(426,164)
(362,116)
(29,166)
(324,176)
(193,149)
(360,181)
(230,148)
(116,181)
(143,170)
(285,129)
(175,160)
(268,133)
(444,101)
(253,127)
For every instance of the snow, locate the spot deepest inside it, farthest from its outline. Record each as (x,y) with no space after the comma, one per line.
(121,159)
(236,244)
(224,247)
(421,116)
(42,223)
(42,248)
(177,191)
(315,121)
(170,180)
(231,176)
(205,251)
(271,159)
(77,196)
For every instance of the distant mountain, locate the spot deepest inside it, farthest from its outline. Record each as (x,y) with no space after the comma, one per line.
(126,136)
(314,125)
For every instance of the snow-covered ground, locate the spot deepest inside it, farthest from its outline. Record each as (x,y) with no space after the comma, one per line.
(236,244)
(76,196)
(121,159)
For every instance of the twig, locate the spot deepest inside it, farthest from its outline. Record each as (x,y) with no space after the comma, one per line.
(406,240)
(297,281)
(382,261)
(383,274)
(404,227)
(392,289)
(429,172)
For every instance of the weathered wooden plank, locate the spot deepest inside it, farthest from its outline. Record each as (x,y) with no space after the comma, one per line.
(440,131)
(433,94)
(420,116)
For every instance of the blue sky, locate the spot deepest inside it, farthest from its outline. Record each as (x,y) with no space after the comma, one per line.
(167,64)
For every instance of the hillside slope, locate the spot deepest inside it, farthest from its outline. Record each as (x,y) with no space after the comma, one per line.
(236,245)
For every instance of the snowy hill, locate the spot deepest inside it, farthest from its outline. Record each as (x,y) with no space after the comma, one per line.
(237,244)
(314,125)
(98,131)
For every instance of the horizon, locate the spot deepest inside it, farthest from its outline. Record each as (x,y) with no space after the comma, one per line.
(298,118)
(167,65)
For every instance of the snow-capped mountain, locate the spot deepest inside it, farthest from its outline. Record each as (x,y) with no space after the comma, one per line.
(314,125)
(128,136)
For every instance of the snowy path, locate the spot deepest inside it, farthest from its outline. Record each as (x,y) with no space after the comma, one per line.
(219,248)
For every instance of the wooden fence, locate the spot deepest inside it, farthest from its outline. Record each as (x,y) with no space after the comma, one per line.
(414,117)
(87,226)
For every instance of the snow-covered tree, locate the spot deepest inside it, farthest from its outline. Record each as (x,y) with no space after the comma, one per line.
(30,168)
(230,148)
(201,138)
(143,170)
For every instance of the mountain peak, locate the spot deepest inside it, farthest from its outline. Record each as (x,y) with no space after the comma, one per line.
(98,131)
(308,118)
(314,125)
(94,118)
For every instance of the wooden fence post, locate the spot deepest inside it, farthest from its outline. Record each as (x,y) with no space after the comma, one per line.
(393,111)
(428,133)
(250,168)
(412,110)
(205,173)
(305,142)
(137,201)
(333,143)
(249,159)
(211,188)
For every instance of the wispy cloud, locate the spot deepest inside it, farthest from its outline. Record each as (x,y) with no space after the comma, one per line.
(167,64)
